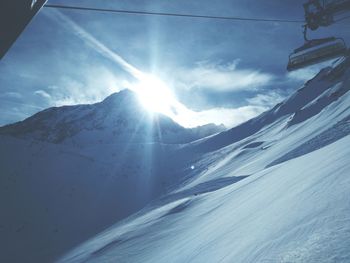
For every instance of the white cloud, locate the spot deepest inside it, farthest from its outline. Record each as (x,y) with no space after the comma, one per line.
(266,100)
(42,93)
(308,72)
(221,77)
(229,117)
(226,116)
(11,94)
(95,85)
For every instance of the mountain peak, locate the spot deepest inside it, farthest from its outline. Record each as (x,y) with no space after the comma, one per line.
(118,118)
(123,96)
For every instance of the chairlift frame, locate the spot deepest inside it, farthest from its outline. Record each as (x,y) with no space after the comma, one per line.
(15,15)
(317,51)
(319,13)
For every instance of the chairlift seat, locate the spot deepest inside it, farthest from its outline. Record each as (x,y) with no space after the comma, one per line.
(316,51)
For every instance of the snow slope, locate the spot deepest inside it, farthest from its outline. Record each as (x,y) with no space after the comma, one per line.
(67,173)
(297,212)
(274,189)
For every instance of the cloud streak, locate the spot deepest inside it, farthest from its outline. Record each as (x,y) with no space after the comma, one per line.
(95,44)
(266,100)
(43,94)
(228,117)
(223,78)
(309,72)
(11,95)
(81,89)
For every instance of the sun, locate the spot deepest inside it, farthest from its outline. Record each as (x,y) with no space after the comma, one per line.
(155,95)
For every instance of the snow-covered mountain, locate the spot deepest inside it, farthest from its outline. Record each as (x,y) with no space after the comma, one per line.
(118,118)
(274,189)
(67,173)
(308,101)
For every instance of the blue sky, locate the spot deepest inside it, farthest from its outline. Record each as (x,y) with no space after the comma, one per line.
(228,71)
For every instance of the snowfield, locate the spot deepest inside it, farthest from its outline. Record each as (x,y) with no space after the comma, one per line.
(273,189)
(281,194)
(295,212)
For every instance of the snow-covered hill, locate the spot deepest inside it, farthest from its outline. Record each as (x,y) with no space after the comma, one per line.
(316,94)
(67,173)
(119,118)
(274,189)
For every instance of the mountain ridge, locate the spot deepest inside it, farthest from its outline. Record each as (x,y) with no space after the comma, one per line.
(116,118)
(296,104)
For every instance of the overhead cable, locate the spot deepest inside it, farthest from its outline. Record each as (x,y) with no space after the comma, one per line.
(188,15)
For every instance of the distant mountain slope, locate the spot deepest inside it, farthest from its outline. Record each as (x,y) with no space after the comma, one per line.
(308,101)
(274,189)
(119,118)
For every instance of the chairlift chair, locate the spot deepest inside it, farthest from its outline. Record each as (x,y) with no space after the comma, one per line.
(319,13)
(316,51)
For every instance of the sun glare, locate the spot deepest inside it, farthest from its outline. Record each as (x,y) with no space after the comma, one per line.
(155,95)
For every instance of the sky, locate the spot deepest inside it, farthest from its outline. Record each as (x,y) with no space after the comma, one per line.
(220,71)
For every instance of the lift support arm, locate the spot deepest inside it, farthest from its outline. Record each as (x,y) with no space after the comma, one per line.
(15,15)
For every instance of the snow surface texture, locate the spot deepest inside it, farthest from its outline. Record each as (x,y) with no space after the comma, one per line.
(275,189)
